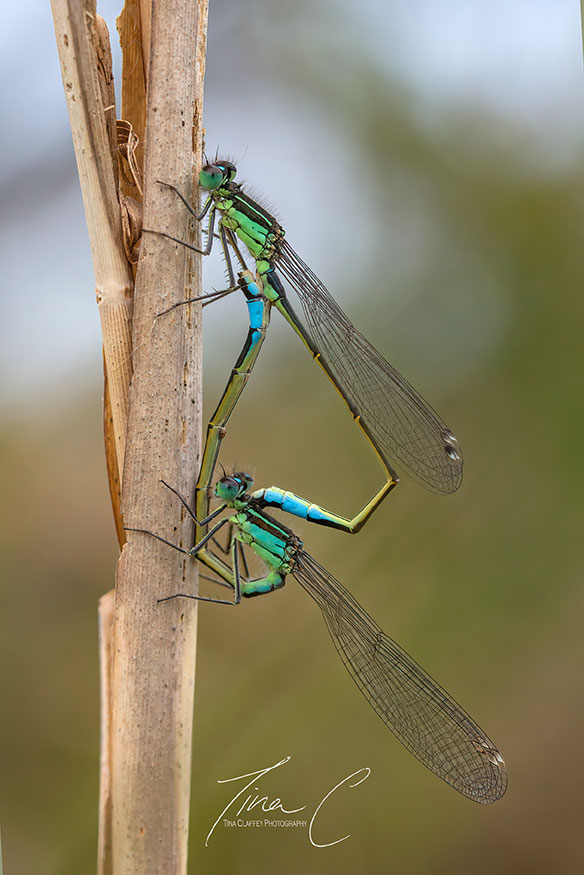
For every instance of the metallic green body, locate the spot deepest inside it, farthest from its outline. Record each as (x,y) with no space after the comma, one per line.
(395,419)
(259,231)
(273,543)
(428,721)
(244,219)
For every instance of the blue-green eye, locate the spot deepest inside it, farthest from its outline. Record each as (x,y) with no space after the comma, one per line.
(228,488)
(211,177)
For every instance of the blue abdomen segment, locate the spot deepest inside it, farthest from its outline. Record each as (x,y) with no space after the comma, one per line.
(256,314)
(254,300)
(300,507)
(258,308)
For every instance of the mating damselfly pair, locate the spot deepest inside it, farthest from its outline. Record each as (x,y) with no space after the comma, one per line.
(398,424)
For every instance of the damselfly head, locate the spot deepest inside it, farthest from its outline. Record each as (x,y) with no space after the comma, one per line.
(215,174)
(230,488)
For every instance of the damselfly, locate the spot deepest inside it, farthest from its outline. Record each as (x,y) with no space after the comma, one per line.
(394,418)
(428,722)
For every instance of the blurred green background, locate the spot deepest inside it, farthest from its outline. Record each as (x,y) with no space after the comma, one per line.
(451,231)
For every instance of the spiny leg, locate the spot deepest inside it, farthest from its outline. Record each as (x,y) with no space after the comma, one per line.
(205,251)
(227,257)
(207,299)
(197,216)
(231,239)
(235,568)
(217,295)
(243,560)
(194,550)
(191,513)
(235,565)
(199,549)
(158,538)
(226,548)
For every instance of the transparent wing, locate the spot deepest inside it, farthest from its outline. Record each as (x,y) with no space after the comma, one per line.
(427,721)
(401,424)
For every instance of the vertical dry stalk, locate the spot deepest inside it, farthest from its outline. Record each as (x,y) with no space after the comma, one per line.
(154,646)
(147,652)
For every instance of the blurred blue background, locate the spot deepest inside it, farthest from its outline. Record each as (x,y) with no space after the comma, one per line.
(425,160)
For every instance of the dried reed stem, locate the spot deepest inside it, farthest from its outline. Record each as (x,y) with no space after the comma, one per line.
(154,645)
(147,652)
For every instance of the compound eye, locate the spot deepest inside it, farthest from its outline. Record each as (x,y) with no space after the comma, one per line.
(227,487)
(247,479)
(211,177)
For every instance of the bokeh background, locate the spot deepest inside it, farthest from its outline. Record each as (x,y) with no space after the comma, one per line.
(426,160)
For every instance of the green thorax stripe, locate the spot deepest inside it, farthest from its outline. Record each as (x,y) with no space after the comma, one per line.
(248,207)
(264,521)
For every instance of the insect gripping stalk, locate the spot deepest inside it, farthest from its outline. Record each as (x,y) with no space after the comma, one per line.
(398,423)
(394,418)
(428,722)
